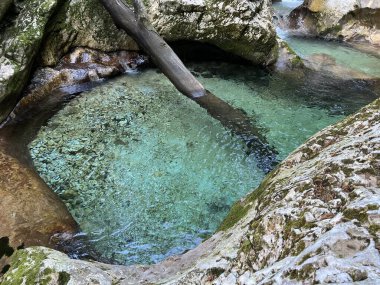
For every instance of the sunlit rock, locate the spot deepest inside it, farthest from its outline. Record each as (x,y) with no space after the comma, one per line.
(348,20)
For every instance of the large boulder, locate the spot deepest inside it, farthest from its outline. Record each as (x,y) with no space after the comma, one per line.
(82,23)
(19,44)
(240,27)
(31,214)
(350,20)
(315,219)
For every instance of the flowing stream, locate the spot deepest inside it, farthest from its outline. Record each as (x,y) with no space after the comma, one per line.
(147,173)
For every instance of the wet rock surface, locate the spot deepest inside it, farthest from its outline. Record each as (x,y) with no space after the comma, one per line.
(313,219)
(76,72)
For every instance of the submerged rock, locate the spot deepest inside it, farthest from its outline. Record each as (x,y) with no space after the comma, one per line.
(349,20)
(315,219)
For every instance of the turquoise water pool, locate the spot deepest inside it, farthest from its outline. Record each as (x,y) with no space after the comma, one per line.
(147,173)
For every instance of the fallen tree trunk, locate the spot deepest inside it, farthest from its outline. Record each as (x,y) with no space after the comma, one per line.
(135,22)
(241,125)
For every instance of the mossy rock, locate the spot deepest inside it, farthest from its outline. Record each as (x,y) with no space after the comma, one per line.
(19,47)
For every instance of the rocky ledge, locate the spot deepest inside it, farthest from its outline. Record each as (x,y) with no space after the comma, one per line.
(241,27)
(314,219)
(348,20)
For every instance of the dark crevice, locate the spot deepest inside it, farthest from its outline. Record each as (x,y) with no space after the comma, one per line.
(194,51)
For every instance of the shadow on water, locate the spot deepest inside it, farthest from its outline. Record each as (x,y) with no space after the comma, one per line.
(244,127)
(303,87)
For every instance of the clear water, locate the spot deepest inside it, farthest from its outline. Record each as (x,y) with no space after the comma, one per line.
(286,6)
(343,55)
(307,47)
(147,173)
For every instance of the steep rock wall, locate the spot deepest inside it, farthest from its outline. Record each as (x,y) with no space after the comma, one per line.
(240,27)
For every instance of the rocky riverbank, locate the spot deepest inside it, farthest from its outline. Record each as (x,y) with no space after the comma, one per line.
(347,20)
(314,219)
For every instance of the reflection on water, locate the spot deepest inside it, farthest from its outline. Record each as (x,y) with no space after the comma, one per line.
(147,173)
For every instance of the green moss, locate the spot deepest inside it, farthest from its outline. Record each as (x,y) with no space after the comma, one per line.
(332,30)
(374,229)
(297,224)
(63,278)
(246,246)
(240,208)
(359,215)
(257,238)
(25,269)
(216,272)
(238,211)
(372,207)
(347,171)
(348,161)
(305,273)
(296,61)
(300,247)
(353,195)
(304,258)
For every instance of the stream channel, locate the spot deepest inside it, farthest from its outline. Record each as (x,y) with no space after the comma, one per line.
(147,173)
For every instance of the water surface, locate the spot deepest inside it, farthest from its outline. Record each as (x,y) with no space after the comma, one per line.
(306,47)
(147,173)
